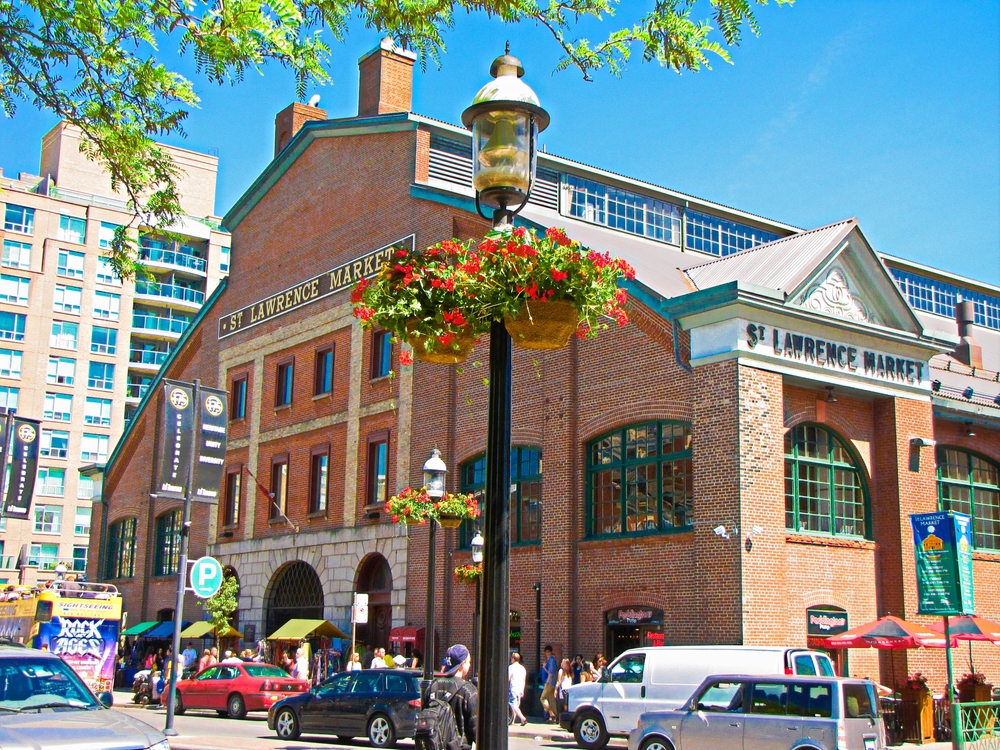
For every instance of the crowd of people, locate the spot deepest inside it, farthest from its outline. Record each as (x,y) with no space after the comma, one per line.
(556,677)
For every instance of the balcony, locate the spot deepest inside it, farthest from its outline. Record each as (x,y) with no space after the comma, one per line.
(148,357)
(136,390)
(173,258)
(170,328)
(171,292)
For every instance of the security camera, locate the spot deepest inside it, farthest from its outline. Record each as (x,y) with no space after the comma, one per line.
(721,531)
(919,442)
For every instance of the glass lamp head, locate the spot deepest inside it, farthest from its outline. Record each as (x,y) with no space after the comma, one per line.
(434,473)
(477,547)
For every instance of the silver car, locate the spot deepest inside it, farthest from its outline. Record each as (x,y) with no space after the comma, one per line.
(741,712)
(44,704)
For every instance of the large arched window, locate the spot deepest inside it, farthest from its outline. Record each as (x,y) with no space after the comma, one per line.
(120,560)
(969,483)
(639,480)
(168,543)
(825,492)
(525,494)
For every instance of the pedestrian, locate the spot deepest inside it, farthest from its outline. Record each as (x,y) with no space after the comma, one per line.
(600,664)
(465,698)
(231,658)
(550,669)
(577,668)
(355,663)
(205,661)
(416,661)
(215,656)
(378,660)
(300,669)
(366,660)
(587,673)
(564,680)
(190,655)
(516,677)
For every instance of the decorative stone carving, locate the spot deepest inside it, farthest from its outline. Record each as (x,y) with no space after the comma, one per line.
(833,296)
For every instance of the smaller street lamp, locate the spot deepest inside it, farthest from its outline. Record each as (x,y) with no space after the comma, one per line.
(477,547)
(477,557)
(434,474)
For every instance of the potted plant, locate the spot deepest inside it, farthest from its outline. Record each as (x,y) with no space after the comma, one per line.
(452,509)
(469,573)
(917,709)
(427,298)
(973,688)
(548,288)
(410,506)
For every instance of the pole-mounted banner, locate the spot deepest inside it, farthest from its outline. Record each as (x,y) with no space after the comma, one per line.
(210,451)
(23,441)
(177,439)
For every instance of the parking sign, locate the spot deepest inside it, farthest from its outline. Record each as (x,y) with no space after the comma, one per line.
(206,577)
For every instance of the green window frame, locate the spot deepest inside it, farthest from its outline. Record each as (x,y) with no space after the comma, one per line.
(525,494)
(970,483)
(640,480)
(168,543)
(120,560)
(826,492)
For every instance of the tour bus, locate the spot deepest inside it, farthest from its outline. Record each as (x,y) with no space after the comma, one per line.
(77,621)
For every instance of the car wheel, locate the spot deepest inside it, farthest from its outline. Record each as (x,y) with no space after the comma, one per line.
(179,705)
(237,706)
(381,733)
(590,732)
(656,743)
(286,725)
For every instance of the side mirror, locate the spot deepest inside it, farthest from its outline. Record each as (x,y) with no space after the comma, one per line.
(106,699)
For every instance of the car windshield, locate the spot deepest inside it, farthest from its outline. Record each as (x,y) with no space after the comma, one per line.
(28,683)
(264,670)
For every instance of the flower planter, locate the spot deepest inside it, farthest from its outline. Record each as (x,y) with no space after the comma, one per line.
(413,521)
(449,521)
(543,325)
(917,708)
(457,350)
(975,693)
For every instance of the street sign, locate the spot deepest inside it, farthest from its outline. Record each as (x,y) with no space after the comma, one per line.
(206,577)
(361,609)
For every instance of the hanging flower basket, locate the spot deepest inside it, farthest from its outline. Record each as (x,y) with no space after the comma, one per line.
(447,349)
(410,507)
(453,509)
(469,573)
(543,325)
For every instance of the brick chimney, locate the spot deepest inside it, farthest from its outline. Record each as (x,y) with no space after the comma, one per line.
(967,351)
(386,80)
(290,120)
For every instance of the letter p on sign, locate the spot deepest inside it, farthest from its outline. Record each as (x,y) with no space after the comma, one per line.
(206,577)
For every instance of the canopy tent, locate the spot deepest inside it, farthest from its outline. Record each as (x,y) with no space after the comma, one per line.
(141,628)
(296,630)
(204,629)
(164,630)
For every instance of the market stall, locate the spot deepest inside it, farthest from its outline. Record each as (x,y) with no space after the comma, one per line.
(315,637)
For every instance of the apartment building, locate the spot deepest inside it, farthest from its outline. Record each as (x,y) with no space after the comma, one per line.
(78,347)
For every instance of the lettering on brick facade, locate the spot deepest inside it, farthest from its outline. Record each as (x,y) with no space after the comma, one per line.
(834,354)
(310,290)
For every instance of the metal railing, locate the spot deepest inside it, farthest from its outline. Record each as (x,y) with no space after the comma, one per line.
(136,390)
(980,723)
(170,291)
(172,257)
(88,199)
(73,564)
(155,323)
(147,356)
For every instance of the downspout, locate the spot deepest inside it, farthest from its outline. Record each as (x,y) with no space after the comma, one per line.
(674,331)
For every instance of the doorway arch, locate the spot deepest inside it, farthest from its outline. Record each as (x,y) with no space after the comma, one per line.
(375,579)
(294,593)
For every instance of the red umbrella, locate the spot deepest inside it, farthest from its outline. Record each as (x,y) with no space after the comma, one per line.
(971,628)
(887,632)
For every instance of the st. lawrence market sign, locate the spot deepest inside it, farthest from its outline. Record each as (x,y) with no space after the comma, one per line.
(309,291)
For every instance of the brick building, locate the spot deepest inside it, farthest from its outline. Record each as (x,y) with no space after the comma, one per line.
(78,347)
(742,455)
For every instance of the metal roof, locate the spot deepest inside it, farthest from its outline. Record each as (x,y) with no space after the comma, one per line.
(782,265)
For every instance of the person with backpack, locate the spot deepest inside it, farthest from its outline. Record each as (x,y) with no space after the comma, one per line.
(465,699)
(449,718)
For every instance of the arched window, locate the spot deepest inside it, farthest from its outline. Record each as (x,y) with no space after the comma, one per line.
(824,490)
(639,480)
(525,494)
(168,543)
(120,560)
(969,483)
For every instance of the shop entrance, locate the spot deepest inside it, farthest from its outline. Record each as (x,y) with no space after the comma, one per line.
(825,620)
(375,579)
(632,627)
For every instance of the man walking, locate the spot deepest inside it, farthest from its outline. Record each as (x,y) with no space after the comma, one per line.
(516,676)
(465,698)
(549,671)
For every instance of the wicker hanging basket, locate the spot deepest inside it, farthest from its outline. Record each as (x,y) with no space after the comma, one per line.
(543,325)
(450,522)
(458,350)
(414,521)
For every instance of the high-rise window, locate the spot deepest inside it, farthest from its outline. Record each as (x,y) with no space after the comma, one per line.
(79,558)
(14,289)
(67,299)
(84,488)
(61,371)
(45,556)
(12,326)
(97,411)
(64,334)
(94,448)
(234,497)
(48,519)
(72,229)
(8,397)
(376,492)
(323,372)
(106,234)
(168,543)
(19,219)
(106,273)
(101,376)
(51,481)
(106,305)
(104,340)
(238,399)
(279,486)
(10,364)
(381,354)
(81,524)
(224,259)
(70,264)
(319,469)
(16,255)
(58,407)
(283,383)
(120,560)
(55,443)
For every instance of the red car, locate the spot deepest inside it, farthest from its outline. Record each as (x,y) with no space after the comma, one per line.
(233,689)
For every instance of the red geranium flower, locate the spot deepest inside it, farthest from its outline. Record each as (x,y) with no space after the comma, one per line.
(405,358)
(559,275)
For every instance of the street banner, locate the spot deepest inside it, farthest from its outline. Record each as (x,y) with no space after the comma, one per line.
(176,439)
(210,450)
(942,544)
(23,442)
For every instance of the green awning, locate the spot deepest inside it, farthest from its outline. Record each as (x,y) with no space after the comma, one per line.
(141,628)
(296,630)
(204,629)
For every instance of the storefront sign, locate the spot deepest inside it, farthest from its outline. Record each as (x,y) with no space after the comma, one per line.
(942,544)
(23,440)
(826,620)
(307,292)
(211,445)
(176,441)
(833,354)
(634,616)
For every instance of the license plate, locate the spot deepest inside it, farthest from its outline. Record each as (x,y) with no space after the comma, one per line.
(870,743)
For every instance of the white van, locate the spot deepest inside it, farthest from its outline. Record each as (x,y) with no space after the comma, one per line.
(664,677)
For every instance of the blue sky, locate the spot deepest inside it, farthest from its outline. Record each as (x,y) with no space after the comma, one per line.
(888,111)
